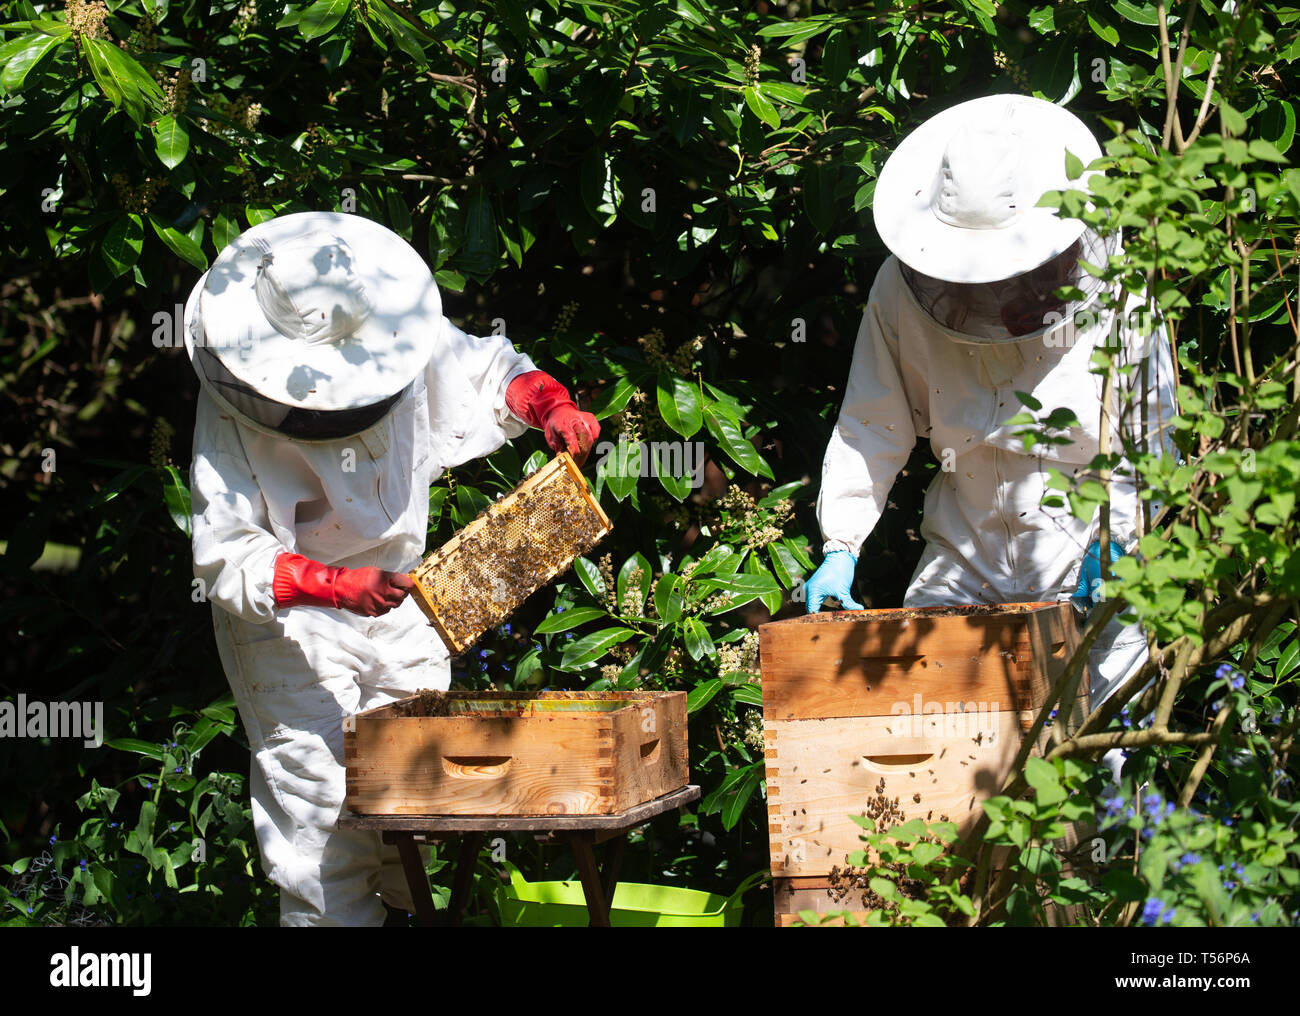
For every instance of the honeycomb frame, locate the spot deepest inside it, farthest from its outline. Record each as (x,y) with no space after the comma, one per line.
(516,545)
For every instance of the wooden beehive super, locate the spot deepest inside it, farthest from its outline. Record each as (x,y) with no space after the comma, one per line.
(934,701)
(515,753)
(480,576)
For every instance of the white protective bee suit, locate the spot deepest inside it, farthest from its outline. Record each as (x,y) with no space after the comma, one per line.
(988,537)
(357,501)
(956,205)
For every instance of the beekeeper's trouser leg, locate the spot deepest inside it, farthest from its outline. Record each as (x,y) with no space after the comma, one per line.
(294,680)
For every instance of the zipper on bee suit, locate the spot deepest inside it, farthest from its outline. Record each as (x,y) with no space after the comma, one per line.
(1001,506)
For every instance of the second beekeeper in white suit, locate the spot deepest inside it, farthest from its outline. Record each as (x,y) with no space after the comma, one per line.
(960,318)
(332,392)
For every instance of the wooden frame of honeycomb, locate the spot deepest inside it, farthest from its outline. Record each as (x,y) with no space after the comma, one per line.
(518,544)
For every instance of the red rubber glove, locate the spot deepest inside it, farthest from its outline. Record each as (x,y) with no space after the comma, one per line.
(300,581)
(541,401)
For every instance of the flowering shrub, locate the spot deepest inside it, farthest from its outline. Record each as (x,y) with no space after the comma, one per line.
(669,207)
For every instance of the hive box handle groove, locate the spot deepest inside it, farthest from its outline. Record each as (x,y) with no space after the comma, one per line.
(896,763)
(476,767)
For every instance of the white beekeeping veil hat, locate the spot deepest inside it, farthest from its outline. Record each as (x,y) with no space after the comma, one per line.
(313,324)
(957,199)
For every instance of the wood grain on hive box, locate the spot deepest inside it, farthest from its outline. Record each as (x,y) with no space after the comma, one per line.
(515,753)
(934,701)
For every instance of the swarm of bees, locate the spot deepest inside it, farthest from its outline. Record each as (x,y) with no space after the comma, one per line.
(517,545)
(848,879)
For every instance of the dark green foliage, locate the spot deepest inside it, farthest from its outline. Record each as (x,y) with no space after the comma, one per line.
(669,207)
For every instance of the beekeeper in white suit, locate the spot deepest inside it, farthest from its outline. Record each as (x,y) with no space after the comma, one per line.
(332,392)
(961,317)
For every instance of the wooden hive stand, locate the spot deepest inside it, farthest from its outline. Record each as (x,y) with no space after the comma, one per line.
(584,767)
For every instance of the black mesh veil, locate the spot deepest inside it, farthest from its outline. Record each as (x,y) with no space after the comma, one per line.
(291,421)
(1021,305)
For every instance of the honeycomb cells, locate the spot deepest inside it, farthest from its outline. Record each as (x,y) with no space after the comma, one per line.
(517,545)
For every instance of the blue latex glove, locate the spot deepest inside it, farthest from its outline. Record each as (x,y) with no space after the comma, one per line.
(1090,573)
(833,578)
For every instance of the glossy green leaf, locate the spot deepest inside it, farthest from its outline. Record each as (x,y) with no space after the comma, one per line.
(761,107)
(180,244)
(171,141)
(123,243)
(679,403)
(584,651)
(124,82)
(698,643)
(589,576)
(176,493)
(570,618)
(702,694)
(668,597)
(726,430)
(321,17)
(19,56)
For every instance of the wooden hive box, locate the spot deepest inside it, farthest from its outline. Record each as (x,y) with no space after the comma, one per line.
(934,701)
(515,753)
(515,546)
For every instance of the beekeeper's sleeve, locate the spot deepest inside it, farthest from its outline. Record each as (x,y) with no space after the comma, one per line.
(875,431)
(234,546)
(467,380)
(1148,347)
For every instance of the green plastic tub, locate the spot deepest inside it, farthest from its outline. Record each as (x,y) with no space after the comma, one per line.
(527,904)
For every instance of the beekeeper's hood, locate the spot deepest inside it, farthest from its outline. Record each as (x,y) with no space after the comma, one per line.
(957,203)
(313,324)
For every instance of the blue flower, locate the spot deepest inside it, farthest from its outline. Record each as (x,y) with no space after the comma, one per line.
(1224,669)
(83,864)
(1154,912)
(505,629)
(53,839)
(148,785)
(178,769)
(1190,858)
(1124,718)
(112,825)
(29,910)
